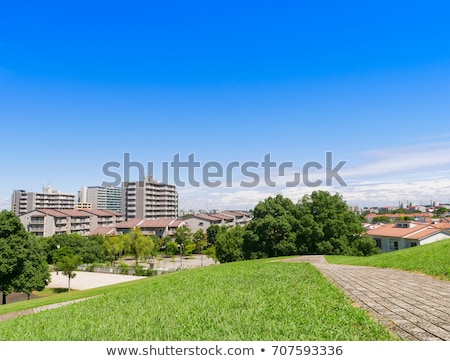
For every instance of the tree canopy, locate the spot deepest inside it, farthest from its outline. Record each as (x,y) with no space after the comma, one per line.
(22,261)
(320,223)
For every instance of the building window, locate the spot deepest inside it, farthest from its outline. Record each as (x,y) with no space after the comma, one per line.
(378,242)
(413,244)
(394,245)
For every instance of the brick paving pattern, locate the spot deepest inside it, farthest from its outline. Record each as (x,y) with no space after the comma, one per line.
(414,306)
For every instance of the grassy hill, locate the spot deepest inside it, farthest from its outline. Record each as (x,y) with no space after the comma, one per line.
(432,259)
(252,300)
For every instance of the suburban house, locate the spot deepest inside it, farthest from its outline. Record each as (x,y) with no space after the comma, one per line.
(227,218)
(406,234)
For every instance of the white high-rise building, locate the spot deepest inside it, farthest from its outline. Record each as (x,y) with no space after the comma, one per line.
(106,198)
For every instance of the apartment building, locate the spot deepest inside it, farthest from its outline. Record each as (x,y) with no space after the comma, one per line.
(156,227)
(149,199)
(23,201)
(47,222)
(227,218)
(97,197)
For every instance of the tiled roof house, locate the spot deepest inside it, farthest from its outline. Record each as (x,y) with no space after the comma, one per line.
(406,234)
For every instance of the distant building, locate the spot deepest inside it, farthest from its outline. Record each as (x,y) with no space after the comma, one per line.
(149,199)
(23,201)
(104,198)
(156,227)
(225,218)
(406,234)
(47,222)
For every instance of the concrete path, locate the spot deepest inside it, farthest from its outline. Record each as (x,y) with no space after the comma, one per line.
(414,306)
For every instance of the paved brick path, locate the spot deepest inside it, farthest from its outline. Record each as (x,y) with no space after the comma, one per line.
(415,306)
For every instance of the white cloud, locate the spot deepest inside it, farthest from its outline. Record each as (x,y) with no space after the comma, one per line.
(401,162)
(416,174)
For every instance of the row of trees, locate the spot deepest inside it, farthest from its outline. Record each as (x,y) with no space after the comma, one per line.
(183,242)
(319,223)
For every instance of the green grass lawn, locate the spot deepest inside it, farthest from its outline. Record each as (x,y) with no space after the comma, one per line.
(432,259)
(252,300)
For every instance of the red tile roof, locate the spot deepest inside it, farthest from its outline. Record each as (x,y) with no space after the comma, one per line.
(99,212)
(418,231)
(52,212)
(177,223)
(73,213)
(441,225)
(156,223)
(104,231)
(221,216)
(206,217)
(132,223)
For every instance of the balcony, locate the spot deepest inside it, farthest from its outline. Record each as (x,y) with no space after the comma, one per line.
(39,220)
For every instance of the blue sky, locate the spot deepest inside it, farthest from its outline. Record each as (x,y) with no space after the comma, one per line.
(82,83)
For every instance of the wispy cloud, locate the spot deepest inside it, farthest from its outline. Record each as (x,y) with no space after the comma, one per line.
(401,162)
(417,173)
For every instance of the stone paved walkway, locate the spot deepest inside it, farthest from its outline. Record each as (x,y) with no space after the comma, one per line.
(414,306)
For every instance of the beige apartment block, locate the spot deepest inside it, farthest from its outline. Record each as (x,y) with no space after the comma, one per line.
(227,218)
(149,199)
(23,201)
(47,222)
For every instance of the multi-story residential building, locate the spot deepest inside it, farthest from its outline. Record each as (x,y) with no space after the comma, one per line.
(227,218)
(47,222)
(161,227)
(23,201)
(104,198)
(149,199)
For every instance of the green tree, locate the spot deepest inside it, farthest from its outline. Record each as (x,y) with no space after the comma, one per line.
(269,237)
(211,233)
(90,249)
(229,245)
(199,238)
(67,265)
(210,252)
(171,248)
(114,246)
(328,226)
(13,251)
(183,236)
(93,250)
(35,274)
(12,258)
(139,245)
(381,219)
(161,244)
(320,223)
(440,211)
(59,253)
(272,231)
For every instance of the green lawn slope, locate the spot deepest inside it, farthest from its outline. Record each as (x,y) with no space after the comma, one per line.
(431,259)
(252,300)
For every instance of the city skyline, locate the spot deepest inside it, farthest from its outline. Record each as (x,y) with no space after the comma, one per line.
(228,82)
